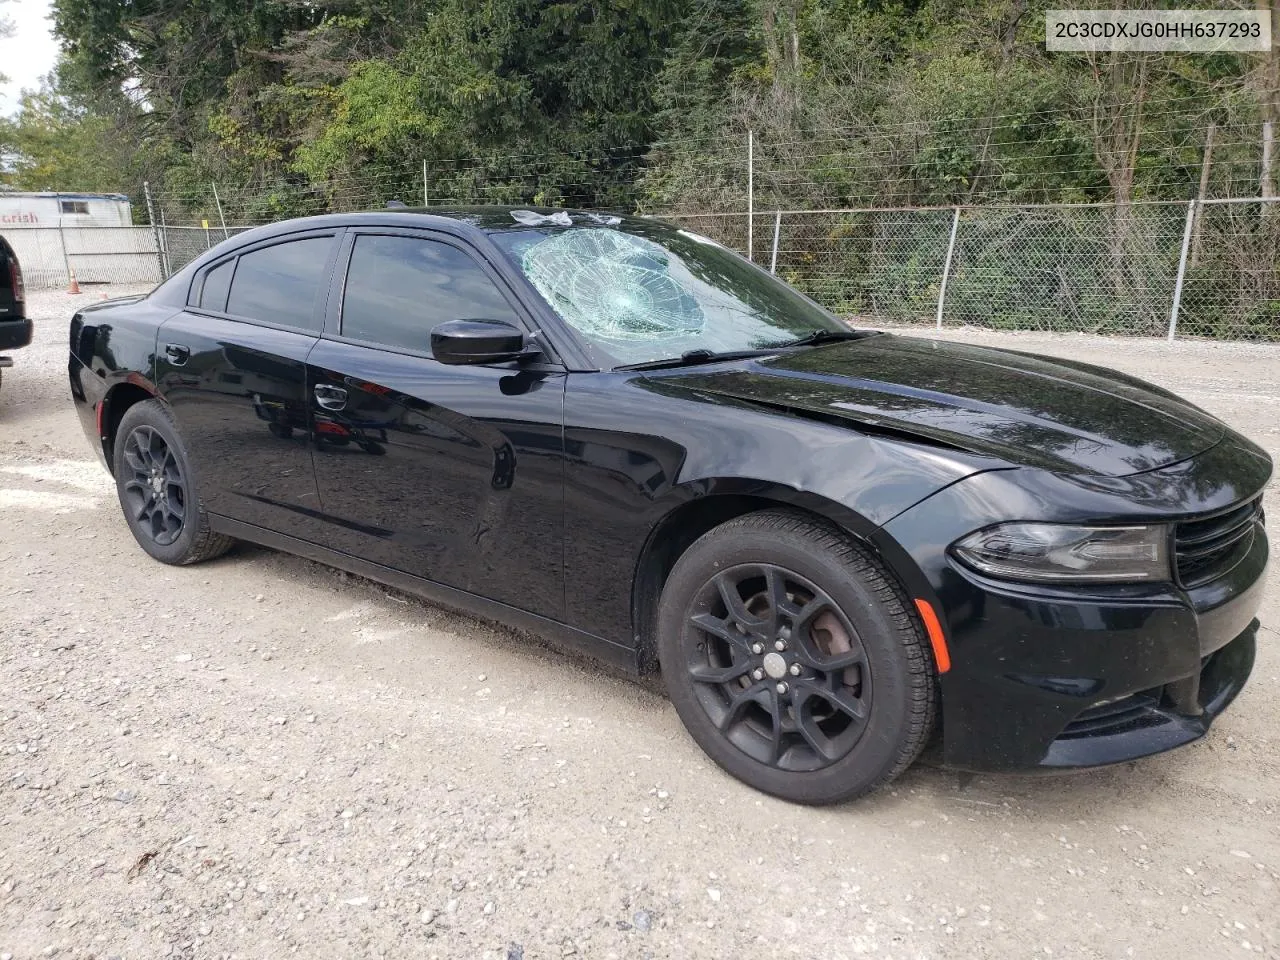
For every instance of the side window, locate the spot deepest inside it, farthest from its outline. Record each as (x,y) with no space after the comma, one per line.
(279,284)
(213,295)
(400,288)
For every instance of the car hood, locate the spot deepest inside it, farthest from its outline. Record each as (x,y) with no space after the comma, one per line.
(1028,410)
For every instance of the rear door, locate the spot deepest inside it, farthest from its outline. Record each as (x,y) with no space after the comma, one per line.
(233,368)
(450,473)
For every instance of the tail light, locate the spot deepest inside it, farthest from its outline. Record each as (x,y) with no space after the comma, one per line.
(15,276)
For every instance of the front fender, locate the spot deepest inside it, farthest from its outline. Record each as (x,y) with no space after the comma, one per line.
(639,456)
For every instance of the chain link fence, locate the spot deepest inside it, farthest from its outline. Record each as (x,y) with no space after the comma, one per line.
(1207,269)
(94,255)
(107,255)
(1203,269)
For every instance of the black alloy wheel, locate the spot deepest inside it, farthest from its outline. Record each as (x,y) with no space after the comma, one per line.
(794,658)
(157,493)
(779,670)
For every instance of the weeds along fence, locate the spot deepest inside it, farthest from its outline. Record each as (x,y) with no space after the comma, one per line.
(1196,268)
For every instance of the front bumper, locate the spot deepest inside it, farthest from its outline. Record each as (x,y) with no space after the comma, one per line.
(1159,719)
(15,334)
(1059,682)
(1047,678)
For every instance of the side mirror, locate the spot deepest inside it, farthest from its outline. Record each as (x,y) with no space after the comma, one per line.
(478,341)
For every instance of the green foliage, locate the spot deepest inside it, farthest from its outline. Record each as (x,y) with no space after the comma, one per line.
(641,103)
(53,145)
(296,108)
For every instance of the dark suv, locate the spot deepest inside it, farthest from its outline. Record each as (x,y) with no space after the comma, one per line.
(15,328)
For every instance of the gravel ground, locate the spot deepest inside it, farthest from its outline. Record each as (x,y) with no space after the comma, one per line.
(259,756)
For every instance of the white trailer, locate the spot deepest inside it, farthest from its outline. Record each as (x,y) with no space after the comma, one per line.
(64,210)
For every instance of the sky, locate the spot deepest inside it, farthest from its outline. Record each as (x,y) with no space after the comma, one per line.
(27,55)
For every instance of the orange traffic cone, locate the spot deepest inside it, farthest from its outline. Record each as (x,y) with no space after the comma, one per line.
(74,288)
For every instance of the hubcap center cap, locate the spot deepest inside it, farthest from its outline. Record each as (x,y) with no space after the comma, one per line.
(775,665)
(157,484)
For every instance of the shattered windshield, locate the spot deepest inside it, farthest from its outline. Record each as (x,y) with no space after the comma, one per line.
(644,291)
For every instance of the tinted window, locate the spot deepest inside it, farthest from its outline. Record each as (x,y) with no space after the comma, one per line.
(279,284)
(216,282)
(400,288)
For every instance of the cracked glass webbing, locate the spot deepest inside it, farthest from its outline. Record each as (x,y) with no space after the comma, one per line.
(612,286)
(637,290)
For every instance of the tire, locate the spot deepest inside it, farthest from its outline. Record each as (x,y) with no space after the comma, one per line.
(157,490)
(848,700)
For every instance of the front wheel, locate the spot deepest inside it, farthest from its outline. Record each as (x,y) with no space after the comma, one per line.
(157,490)
(794,660)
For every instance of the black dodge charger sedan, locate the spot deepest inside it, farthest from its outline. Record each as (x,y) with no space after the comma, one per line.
(839,547)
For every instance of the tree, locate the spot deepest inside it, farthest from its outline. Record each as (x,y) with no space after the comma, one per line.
(54,143)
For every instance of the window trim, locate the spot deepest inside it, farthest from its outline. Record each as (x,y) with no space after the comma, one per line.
(338,289)
(336,236)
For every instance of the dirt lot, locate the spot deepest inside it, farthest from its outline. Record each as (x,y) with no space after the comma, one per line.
(260,757)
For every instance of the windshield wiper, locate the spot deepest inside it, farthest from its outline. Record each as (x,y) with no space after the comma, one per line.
(691,358)
(823,336)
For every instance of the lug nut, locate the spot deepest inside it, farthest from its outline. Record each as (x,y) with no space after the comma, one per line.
(795,669)
(780,645)
(758,674)
(785,633)
(782,688)
(757,648)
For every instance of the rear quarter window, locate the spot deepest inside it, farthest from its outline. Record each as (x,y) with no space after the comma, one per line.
(217,283)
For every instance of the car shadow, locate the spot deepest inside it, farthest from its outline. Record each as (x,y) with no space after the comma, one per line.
(1123,789)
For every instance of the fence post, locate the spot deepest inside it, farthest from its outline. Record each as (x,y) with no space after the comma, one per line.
(164,244)
(218,201)
(62,241)
(777,229)
(1182,269)
(155,228)
(426,200)
(751,188)
(1204,188)
(946,267)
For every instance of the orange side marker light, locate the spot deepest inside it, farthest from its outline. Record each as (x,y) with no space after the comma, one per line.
(934,629)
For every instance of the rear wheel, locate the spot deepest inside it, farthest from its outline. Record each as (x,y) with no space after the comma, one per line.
(157,491)
(793,659)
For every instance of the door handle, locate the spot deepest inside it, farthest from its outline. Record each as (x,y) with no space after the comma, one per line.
(330,398)
(177,353)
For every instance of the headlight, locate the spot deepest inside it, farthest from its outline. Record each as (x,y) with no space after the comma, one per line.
(1053,552)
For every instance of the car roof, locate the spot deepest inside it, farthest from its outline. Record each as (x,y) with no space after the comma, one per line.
(487,218)
(491,217)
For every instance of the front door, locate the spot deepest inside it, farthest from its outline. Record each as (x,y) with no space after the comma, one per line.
(232,367)
(450,473)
